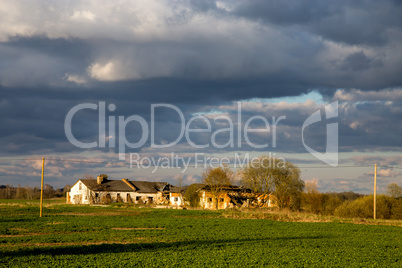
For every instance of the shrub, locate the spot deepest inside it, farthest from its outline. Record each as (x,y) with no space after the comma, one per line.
(331,203)
(363,207)
(396,210)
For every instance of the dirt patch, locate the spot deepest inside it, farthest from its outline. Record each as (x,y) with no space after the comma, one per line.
(20,235)
(102,213)
(54,223)
(138,228)
(19,229)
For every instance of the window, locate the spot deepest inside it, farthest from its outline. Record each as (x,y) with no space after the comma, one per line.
(210,199)
(137,198)
(220,199)
(176,199)
(80,186)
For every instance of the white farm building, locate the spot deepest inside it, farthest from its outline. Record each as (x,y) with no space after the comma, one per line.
(102,190)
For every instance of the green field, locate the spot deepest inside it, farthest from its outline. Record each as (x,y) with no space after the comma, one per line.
(125,236)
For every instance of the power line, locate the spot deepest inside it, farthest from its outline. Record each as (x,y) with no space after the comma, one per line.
(181,166)
(355,166)
(57,160)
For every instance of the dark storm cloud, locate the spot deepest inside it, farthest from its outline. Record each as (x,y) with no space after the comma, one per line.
(356,22)
(371,126)
(39,62)
(288,57)
(286,12)
(199,56)
(359,61)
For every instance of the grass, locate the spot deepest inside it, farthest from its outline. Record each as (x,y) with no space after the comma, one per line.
(302,217)
(87,236)
(25,202)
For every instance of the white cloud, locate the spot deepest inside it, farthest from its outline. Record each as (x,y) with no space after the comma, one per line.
(78,79)
(384,172)
(105,72)
(359,95)
(354,125)
(83,15)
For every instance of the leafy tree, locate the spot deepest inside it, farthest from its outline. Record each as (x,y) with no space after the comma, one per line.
(216,179)
(394,190)
(396,210)
(330,203)
(191,194)
(288,186)
(348,196)
(274,175)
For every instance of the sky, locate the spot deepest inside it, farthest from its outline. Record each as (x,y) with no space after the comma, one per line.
(115,86)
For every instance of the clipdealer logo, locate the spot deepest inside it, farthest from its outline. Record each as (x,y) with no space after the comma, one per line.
(330,156)
(147,131)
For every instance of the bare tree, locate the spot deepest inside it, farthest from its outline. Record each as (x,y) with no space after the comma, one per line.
(394,190)
(216,179)
(258,175)
(180,181)
(312,197)
(91,183)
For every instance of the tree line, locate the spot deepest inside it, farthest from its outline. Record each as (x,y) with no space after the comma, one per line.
(389,205)
(31,193)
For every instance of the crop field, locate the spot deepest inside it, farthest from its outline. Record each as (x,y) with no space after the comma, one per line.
(95,236)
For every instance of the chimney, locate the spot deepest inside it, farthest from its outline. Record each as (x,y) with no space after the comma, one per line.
(129,184)
(101,178)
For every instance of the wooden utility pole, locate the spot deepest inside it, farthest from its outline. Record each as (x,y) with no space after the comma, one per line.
(375,190)
(41,187)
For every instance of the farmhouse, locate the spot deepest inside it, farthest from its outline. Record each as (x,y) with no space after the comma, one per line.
(102,190)
(229,196)
(176,195)
(235,196)
(266,200)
